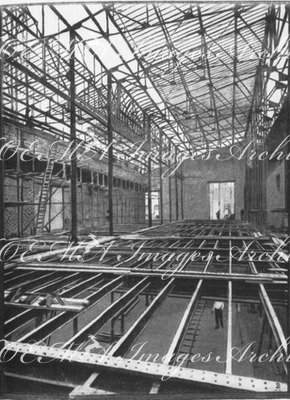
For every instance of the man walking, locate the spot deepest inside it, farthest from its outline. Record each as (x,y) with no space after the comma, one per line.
(218,309)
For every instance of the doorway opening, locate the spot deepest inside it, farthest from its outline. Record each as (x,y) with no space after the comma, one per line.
(154,206)
(222,200)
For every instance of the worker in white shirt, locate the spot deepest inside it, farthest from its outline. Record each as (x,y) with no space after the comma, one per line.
(218,309)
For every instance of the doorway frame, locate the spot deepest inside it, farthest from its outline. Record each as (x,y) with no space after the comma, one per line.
(222,181)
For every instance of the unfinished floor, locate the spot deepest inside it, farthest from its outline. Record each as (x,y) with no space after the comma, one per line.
(142,303)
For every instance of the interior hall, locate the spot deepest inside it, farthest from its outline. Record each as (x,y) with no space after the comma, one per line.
(144,200)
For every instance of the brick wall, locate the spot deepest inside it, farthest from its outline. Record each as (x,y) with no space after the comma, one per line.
(92,199)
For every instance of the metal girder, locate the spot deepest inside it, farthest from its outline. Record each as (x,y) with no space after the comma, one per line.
(30,283)
(230,318)
(55,90)
(44,381)
(110,153)
(184,83)
(116,126)
(73,138)
(43,77)
(159,272)
(247,97)
(64,251)
(115,308)
(211,89)
(143,68)
(287,192)
(274,323)
(181,236)
(256,88)
(201,237)
(86,389)
(83,284)
(273,319)
(149,369)
(53,284)
(182,328)
(185,319)
(55,307)
(160,180)
(46,329)
(235,71)
(147,130)
(19,319)
(178,247)
(124,343)
(251,20)
(16,280)
(217,39)
(2,215)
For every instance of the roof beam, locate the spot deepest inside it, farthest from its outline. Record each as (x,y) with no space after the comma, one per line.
(184,83)
(235,70)
(211,90)
(144,70)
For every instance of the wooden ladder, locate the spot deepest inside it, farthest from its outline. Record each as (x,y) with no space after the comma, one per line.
(44,195)
(192,331)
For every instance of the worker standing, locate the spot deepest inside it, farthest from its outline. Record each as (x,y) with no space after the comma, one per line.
(218,309)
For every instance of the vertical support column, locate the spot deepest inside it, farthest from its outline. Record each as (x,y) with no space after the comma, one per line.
(18,185)
(160,178)
(2,310)
(148,135)
(110,153)
(49,208)
(230,316)
(118,110)
(264,193)
(259,178)
(235,73)
(73,139)
(169,185)
(287,200)
(181,192)
(255,183)
(63,207)
(176,187)
(92,200)
(112,321)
